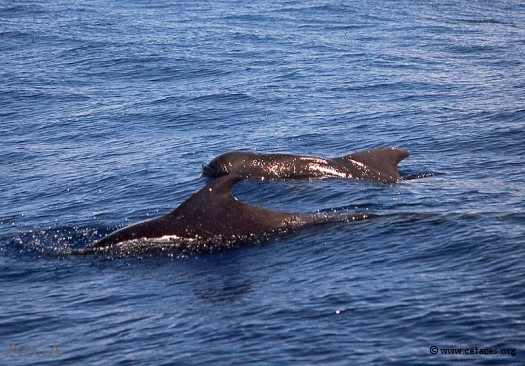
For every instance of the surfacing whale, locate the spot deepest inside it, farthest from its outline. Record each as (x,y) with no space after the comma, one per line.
(213,213)
(378,164)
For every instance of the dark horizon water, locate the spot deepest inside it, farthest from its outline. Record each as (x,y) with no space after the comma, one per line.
(109,109)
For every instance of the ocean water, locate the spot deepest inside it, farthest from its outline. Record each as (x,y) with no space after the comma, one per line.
(108,109)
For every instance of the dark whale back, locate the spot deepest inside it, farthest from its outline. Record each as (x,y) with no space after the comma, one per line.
(213,212)
(378,164)
(261,166)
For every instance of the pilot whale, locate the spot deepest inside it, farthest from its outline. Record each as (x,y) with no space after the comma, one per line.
(214,213)
(378,164)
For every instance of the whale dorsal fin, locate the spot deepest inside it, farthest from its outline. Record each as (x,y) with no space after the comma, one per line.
(217,191)
(223,186)
(384,160)
(214,210)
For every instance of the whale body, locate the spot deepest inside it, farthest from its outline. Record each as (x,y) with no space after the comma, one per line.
(379,164)
(213,212)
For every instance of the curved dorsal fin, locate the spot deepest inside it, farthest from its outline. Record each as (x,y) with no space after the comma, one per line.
(218,190)
(384,160)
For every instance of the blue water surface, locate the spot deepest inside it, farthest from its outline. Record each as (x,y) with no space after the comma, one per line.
(108,109)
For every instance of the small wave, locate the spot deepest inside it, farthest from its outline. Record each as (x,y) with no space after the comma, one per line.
(221,97)
(54,240)
(419,176)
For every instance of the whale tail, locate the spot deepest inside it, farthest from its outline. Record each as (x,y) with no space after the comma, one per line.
(382,163)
